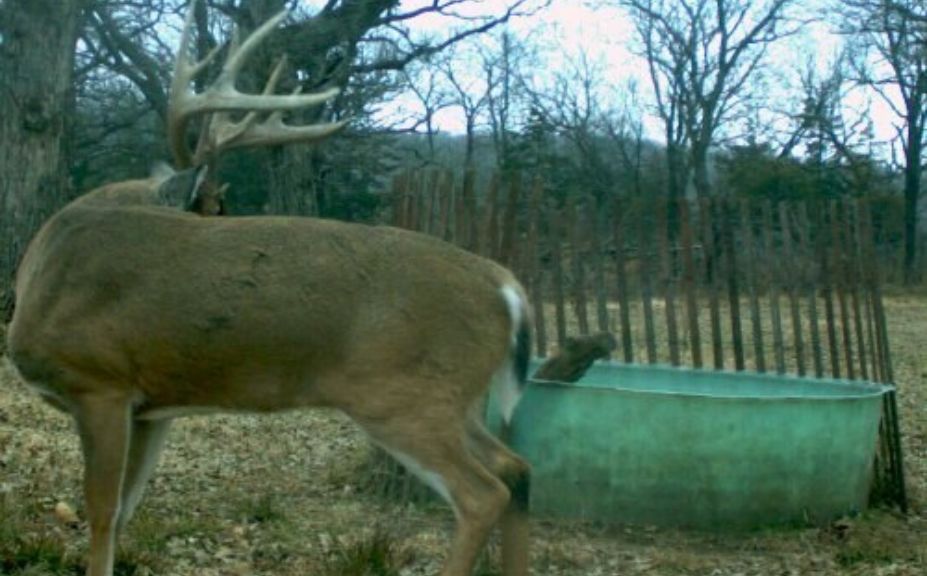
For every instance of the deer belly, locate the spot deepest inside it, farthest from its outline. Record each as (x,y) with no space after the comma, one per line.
(255,395)
(169,412)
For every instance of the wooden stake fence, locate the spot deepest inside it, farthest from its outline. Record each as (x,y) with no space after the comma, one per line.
(733,284)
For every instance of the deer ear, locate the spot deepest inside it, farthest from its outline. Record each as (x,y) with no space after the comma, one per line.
(161,171)
(182,189)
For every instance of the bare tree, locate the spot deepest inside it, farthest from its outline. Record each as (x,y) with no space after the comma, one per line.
(833,135)
(471,95)
(486,85)
(432,95)
(625,128)
(891,36)
(507,98)
(358,46)
(700,55)
(37,39)
(599,122)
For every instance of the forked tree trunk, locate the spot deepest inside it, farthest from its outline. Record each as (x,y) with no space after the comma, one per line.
(700,178)
(37,42)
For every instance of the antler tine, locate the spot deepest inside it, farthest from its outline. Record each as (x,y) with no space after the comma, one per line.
(277,115)
(182,65)
(222,96)
(237,57)
(273,131)
(275,76)
(184,73)
(222,131)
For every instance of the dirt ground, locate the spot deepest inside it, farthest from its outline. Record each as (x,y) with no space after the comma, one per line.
(283,495)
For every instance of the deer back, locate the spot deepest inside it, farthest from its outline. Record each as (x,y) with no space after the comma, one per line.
(193,310)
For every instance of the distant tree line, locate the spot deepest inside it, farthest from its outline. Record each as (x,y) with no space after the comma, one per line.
(85,83)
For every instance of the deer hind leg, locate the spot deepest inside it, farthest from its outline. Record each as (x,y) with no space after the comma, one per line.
(146,442)
(440,458)
(104,424)
(516,474)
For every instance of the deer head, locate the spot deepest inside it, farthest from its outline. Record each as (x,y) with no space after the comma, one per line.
(131,311)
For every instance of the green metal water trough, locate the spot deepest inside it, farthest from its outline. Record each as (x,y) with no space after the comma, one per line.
(665,446)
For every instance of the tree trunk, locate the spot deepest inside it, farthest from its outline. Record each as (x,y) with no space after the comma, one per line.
(675,173)
(470,142)
(37,43)
(700,170)
(290,182)
(912,191)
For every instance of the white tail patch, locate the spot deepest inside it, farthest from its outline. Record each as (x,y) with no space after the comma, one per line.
(516,309)
(507,390)
(505,382)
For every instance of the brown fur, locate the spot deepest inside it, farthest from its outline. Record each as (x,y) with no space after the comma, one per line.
(571,363)
(127,311)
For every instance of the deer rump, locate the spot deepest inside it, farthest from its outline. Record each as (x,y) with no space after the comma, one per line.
(260,313)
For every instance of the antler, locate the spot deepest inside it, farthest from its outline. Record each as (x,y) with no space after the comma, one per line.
(219,132)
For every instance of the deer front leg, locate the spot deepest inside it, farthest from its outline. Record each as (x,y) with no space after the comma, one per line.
(103,422)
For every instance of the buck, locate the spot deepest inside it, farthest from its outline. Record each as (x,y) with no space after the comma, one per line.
(131,310)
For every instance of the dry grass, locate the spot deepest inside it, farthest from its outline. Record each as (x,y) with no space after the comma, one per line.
(238,495)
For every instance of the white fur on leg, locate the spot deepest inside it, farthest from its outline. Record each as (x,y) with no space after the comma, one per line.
(432,479)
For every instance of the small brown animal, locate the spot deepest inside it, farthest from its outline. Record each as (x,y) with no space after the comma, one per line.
(572,362)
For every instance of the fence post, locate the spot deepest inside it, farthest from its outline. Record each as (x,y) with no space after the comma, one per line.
(733,285)
(772,283)
(750,269)
(535,277)
(790,258)
(668,272)
(839,275)
(851,220)
(618,220)
(598,259)
(711,274)
(645,227)
(577,257)
(689,282)
(555,237)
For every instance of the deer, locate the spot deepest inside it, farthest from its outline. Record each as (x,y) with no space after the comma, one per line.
(134,308)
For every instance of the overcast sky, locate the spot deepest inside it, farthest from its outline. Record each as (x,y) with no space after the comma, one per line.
(569,27)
